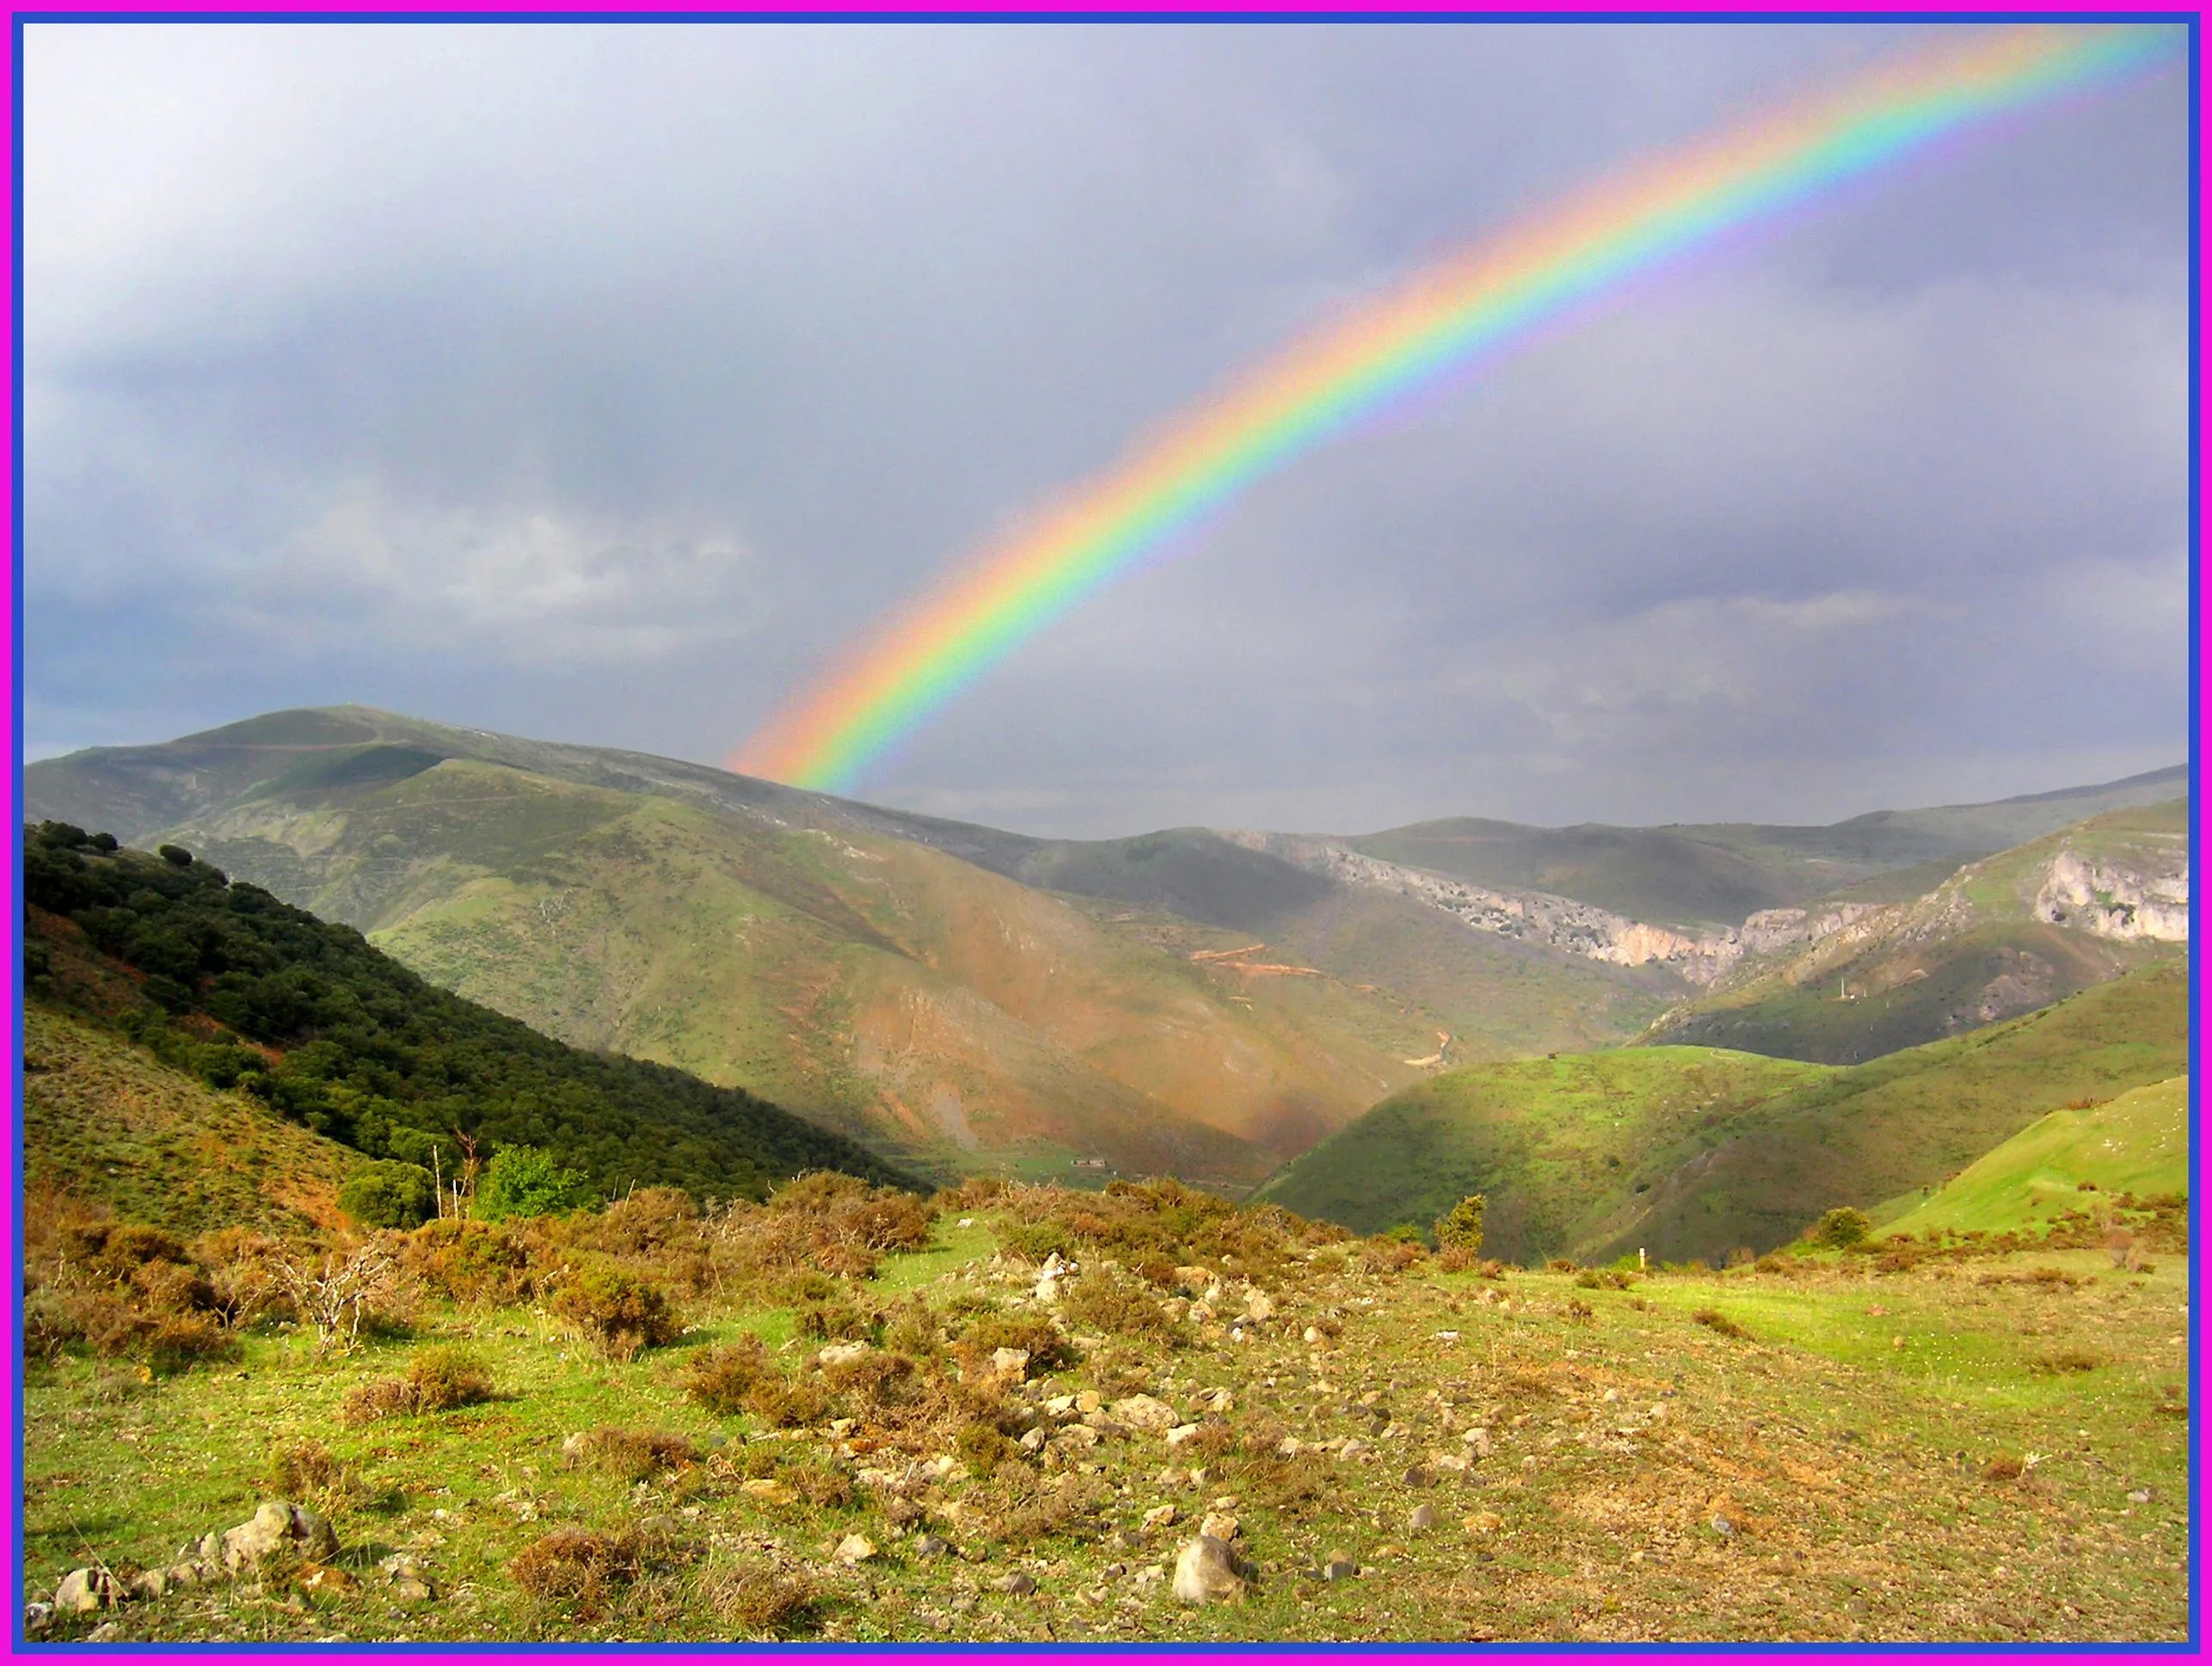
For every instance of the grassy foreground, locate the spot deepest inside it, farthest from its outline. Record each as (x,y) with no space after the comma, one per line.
(1986,1449)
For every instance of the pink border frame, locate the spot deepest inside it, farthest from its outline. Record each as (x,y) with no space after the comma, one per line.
(2200,696)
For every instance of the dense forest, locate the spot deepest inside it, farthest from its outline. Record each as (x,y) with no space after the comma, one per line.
(248,993)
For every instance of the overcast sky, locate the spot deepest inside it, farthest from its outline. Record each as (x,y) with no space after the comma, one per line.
(597,384)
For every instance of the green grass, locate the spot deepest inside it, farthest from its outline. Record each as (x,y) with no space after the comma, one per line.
(1556,1145)
(1863,1135)
(2138,1142)
(1851,1473)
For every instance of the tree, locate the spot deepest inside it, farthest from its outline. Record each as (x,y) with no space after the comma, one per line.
(522,1181)
(389,1194)
(1838,1229)
(1462,1228)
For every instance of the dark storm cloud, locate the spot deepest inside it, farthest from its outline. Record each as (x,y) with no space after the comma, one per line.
(595,383)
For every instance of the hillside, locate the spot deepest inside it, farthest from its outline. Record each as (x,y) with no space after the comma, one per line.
(2138,1143)
(1999,937)
(1556,1144)
(1876,1131)
(104,1122)
(226,981)
(904,980)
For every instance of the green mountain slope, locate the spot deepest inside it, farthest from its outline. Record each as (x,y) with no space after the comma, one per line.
(227,982)
(104,1120)
(2138,1142)
(963,999)
(1556,1145)
(1876,1131)
(1998,938)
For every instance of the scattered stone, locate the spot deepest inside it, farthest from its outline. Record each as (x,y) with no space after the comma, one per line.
(768,1489)
(1418,1476)
(1088,1401)
(1181,1434)
(1483,1520)
(1207,1570)
(1289,1447)
(183,1575)
(1016,1583)
(1723,1526)
(928,1544)
(2139,1495)
(1143,1412)
(1337,1566)
(1159,1515)
(1259,1306)
(38,1617)
(1313,1335)
(1147,1576)
(844,1353)
(854,1549)
(278,1526)
(1479,1438)
(1010,1362)
(332,1582)
(1352,1448)
(148,1585)
(1219,1524)
(1423,1519)
(111,1631)
(83,1590)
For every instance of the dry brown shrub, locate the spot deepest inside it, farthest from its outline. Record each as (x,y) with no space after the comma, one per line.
(1714,1320)
(1104,1299)
(637,1454)
(2003,1468)
(783,1404)
(821,1483)
(445,1377)
(761,1605)
(1033,1333)
(569,1564)
(244,1273)
(309,1472)
(1455,1258)
(619,1313)
(1034,1512)
(387,1397)
(475,1263)
(1390,1254)
(2063,1360)
(720,1378)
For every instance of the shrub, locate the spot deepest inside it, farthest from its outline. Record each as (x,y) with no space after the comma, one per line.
(1838,1229)
(443,1378)
(1713,1320)
(983,1448)
(720,1378)
(569,1562)
(471,1261)
(637,1454)
(760,1605)
(782,1404)
(1461,1227)
(619,1313)
(521,1182)
(2003,1468)
(838,1320)
(1105,1299)
(387,1397)
(1033,1333)
(1455,1258)
(400,1195)
(307,1471)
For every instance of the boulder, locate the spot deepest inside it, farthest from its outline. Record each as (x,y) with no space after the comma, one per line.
(1181,1434)
(1010,1362)
(1014,1584)
(279,1529)
(1219,1524)
(38,1617)
(1143,1412)
(1423,1519)
(1159,1515)
(844,1353)
(147,1585)
(1259,1306)
(854,1549)
(1209,1569)
(83,1590)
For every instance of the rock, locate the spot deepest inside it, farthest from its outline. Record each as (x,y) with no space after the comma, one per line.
(1061,1405)
(1423,1519)
(183,1575)
(1289,1447)
(928,1544)
(1181,1434)
(1035,1440)
(413,1587)
(1353,1449)
(1160,1515)
(844,1353)
(111,1631)
(1207,1571)
(38,1617)
(210,1550)
(1337,1566)
(2139,1495)
(854,1549)
(148,1585)
(1143,1412)
(1016,1583)
(1313,1335)
(1088,1401)
(331,1582)
(1418,1476)
(1483,1520)
(1010,1362)
(1479,1440)
(1723,1526)
(278,1527)
(1219,1524)
(83,1590)
(1259,1306)
(1451,1462)
(768,1489)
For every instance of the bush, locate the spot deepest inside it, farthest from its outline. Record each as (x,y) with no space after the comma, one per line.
(521,1182)
(637,1454)
(1033,1333)
(1713,1320)
(471,1261)
(443,1378)
(1838,1229)
(1105,1299)
(1461,1227)
(571,1562)
(309,1472)
(400,1195)
(719,1378)
(760,1605)
(619,1313)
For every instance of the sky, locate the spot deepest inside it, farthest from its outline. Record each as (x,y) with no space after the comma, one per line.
(599,383)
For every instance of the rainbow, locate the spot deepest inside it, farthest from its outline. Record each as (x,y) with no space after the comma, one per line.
(1489,297)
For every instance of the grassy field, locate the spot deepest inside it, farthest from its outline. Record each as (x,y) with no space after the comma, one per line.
(1851,1457)
(2138,1142)
(1556,1144)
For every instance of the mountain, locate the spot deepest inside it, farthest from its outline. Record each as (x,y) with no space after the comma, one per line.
(1722,873)
(225,981)
(106,1122)
(1851,978)
(2138,1143)
(1694,1151)
(1556,1145)
(959,998)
